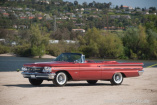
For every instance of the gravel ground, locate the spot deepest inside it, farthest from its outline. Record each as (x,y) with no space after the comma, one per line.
(16,90)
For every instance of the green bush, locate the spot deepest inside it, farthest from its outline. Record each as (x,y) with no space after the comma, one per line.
(23,50)
(4,49)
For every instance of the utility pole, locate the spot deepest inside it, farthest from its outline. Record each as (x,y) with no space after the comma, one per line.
(55,27)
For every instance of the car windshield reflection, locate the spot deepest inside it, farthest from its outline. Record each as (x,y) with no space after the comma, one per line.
(70,57)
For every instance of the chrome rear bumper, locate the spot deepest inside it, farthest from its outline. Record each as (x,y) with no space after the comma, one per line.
(38,75)
(140,72)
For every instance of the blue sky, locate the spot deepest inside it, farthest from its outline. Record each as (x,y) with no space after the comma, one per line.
(132,3)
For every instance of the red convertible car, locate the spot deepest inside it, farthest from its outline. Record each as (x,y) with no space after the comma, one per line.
(73,66)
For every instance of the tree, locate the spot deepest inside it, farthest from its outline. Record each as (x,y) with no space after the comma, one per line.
(152,40)
(143,48)
(135,42)
(39,41)
(121,7)
(116,7)
(3,1)
(90,4)
(111,46)
(152,9)
(75,3)
(95,44)
(151,22)
(90,43)
(130,41)
(84,4)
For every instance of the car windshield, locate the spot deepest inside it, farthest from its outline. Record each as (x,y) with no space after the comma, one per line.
(69,57)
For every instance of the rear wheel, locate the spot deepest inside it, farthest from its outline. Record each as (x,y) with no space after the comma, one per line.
(35,82)
(60,79)
(117,79)
(92,81)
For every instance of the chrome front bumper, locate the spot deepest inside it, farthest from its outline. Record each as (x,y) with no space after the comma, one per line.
(38,75)
(140,72)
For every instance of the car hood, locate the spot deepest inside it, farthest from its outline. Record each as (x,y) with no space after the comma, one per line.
(43,64)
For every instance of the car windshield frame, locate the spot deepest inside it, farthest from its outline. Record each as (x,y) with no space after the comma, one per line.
(71,57)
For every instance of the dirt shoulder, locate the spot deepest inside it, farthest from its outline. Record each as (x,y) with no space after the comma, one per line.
(13,55)
(16,90)
(8,55)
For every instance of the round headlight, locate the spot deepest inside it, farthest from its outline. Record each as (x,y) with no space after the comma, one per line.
(24,69)
(47,69)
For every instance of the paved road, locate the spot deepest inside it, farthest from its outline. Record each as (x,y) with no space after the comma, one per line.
(142,90)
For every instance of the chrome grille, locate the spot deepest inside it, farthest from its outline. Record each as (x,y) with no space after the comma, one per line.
(35,69)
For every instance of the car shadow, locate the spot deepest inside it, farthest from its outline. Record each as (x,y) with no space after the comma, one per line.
(67,85)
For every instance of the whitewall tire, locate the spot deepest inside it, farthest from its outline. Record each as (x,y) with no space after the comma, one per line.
(60,79)
(117,79)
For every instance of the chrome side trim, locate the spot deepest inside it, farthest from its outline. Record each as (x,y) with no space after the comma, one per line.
(38,75)
(140,72)
(121,68)
(123,65)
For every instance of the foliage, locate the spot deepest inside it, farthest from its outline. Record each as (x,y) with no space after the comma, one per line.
(38,50)
(39,39)
(95,44)
(112,46)
(22,50)
(152,40)
(135,43)
(61,47)
(151,22)
(4,49)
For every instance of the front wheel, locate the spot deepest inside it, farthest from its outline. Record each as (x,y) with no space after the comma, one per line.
(60,79)
(117,79)
(35,82)
(92,82)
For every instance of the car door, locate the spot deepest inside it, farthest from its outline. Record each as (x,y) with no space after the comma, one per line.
(89,71)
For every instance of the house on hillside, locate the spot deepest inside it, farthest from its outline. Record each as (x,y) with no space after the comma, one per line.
(94,16)
(39,16)
(146,13)
(57,41)
(14,26)
(114,16)
(126,16)
(120,16)
(22,26)
(23,17)
(118,11)
(127,8)
(78,30)
(79,24)
(65,17)
(31,17)
(2,40)
(47,17)
(127,12)
(2,11)
(57,3)
(5,14)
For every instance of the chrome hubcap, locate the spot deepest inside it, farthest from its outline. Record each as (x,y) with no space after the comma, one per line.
(118,78)
(61,78)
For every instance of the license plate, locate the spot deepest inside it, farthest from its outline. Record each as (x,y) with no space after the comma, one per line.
(32,76)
